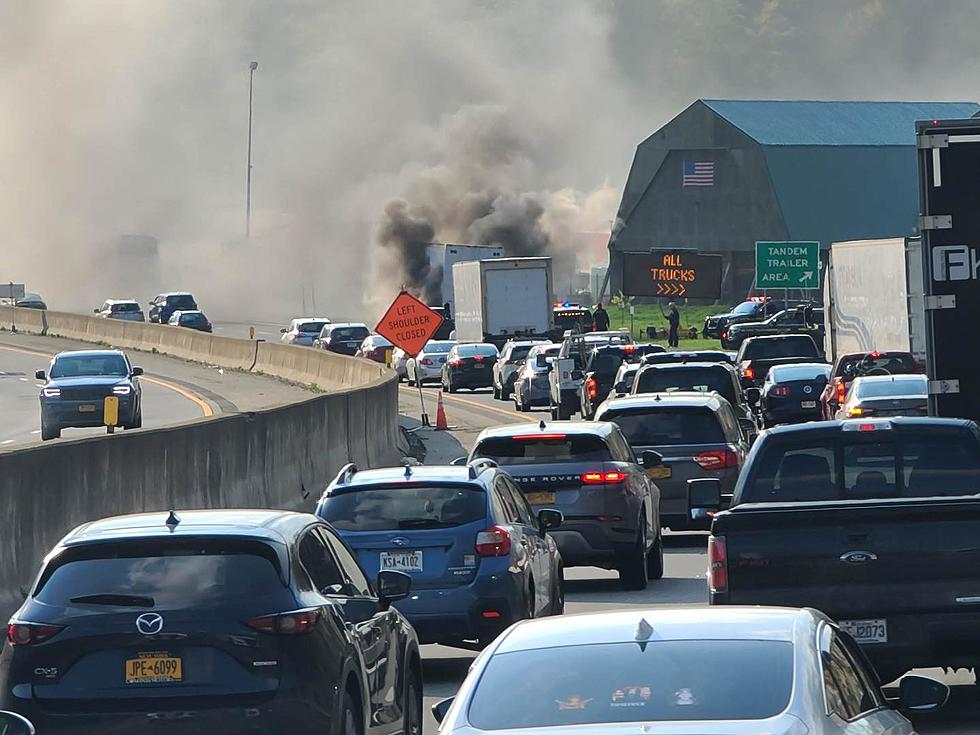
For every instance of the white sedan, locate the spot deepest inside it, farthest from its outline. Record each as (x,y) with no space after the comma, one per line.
(303,331)
(427,365)
(727,671)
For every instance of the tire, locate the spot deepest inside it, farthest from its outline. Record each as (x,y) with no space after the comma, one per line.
(496,392)
(137,420)
(50,432)
(528,613)
(410,379)
(450,388)
(554,413)
(351,722)
(505,392)
(655,559)
(558,593)
(413,706)
(633,566)
(518,406)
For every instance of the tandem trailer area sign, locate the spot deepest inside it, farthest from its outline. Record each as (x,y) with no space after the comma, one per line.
(787,265)
(672,273)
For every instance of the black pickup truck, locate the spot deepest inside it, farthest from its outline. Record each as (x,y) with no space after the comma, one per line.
(758,354)
(874,522)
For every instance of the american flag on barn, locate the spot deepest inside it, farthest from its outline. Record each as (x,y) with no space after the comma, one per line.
(698,173)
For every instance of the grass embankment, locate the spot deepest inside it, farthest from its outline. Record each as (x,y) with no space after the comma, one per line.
(656,315)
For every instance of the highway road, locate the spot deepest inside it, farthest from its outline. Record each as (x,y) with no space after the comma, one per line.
(594,590)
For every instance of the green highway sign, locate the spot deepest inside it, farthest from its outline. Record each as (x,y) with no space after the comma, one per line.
(787,265)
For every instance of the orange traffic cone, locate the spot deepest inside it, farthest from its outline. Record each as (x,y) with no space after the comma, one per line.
(441,423)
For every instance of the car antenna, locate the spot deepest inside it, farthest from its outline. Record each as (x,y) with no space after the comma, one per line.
(643,632)
(657,397)
(173,520)
(408,471)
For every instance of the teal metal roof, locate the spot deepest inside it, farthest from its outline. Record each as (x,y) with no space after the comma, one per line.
(818,123)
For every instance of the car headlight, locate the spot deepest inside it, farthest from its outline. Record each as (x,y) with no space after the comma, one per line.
(122,390)
(51,392)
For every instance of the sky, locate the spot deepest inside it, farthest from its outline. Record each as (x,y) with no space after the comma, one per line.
(513,120)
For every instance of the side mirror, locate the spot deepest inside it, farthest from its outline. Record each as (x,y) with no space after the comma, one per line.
(137,371)
(460,462)
(283,330)
(753,396)
(39,374)
(922,694)
(650,458)
(549,518)
(703,497)
(13,724)
(577,375)
(439,709)
(392,586)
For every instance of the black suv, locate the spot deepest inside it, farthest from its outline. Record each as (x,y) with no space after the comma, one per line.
(700,377)
(226,621)
(588,472)
(163,306)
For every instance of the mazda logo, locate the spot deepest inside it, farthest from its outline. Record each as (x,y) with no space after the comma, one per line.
(400,541)
(149,623)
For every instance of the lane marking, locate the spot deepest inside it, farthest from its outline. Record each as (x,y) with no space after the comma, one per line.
(7,441)
(205,407)
(453,398)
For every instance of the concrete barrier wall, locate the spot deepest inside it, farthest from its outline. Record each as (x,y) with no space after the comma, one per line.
(279,458)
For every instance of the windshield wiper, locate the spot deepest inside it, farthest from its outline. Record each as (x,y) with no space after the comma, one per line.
(109,598)
(422,523)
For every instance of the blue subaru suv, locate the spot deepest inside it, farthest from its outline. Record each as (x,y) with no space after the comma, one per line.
(479,557)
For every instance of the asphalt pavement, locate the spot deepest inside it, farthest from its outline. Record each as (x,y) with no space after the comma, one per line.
(591,589)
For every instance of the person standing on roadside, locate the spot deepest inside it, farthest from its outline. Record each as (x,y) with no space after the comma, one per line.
(600,318)
(674,319)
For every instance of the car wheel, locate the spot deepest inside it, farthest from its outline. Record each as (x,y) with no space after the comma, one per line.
(518,406)
(633,565)
(50,432)
(554,413)
(558,593)
(505,392)
(410,379)
(413,707)
(529,603)
(450,388)
(496,392)
(350,718)
(655,559)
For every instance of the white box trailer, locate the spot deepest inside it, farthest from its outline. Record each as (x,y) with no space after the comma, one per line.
(873,297)
(443,256)
(503,298)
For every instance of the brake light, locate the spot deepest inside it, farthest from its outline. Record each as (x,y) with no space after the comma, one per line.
(613,477)
(875,355)
(629,349)
(297,622)
(535,437)
(879,425)
(840,389)
(495,541)
(456,363)
(591,387)
(717,564)
(748,373)
(425,361)
(724,335)
(478,358)
(717,459)
(27,634)
(780,390)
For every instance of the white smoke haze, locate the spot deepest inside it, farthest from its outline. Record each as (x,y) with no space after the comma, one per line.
(493,120)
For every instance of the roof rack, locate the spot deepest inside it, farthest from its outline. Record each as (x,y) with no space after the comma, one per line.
(346,474)
(478,466)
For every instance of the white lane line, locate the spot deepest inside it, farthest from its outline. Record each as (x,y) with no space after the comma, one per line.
(8,441)
(23,380)
(36,431)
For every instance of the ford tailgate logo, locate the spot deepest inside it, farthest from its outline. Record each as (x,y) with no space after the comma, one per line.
(858,557)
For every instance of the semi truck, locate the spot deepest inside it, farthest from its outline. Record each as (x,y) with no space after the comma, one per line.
(442,258)
(503,298)
(873,298)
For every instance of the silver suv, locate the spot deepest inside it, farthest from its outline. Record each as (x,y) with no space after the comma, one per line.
(566,377)
(509,364)
(588,471)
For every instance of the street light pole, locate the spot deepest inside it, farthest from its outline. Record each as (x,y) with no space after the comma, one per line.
(248,171)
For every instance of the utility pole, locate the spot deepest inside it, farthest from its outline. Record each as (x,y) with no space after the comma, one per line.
(248,171)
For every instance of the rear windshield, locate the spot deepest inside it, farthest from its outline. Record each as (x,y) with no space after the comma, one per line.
(668,425)
(764,349)
(184,573)
(181,302)
(519,352)
(473,350)
(746,308)
(438,348)
(544,450)
(192,318)
(626,682)
(350,333)
(129,306)
(405,508)
(571,318)
(311,327)
(878,466)
(910,386)
(799,372)
(881,365)
(673,379)
(71,366)
(606,363)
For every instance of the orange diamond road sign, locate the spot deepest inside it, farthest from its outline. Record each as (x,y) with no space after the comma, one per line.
(408,323)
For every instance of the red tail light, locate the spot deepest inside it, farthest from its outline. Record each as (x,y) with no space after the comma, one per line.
(27,634)
(780,390)
(717,459)
(724,335)
(536,437)
(425,361)
(591,387)
(478,358)
(840,389)
(748,373)
(495,541)
(717,564)
(613,477)
(297,622)
(456,363)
